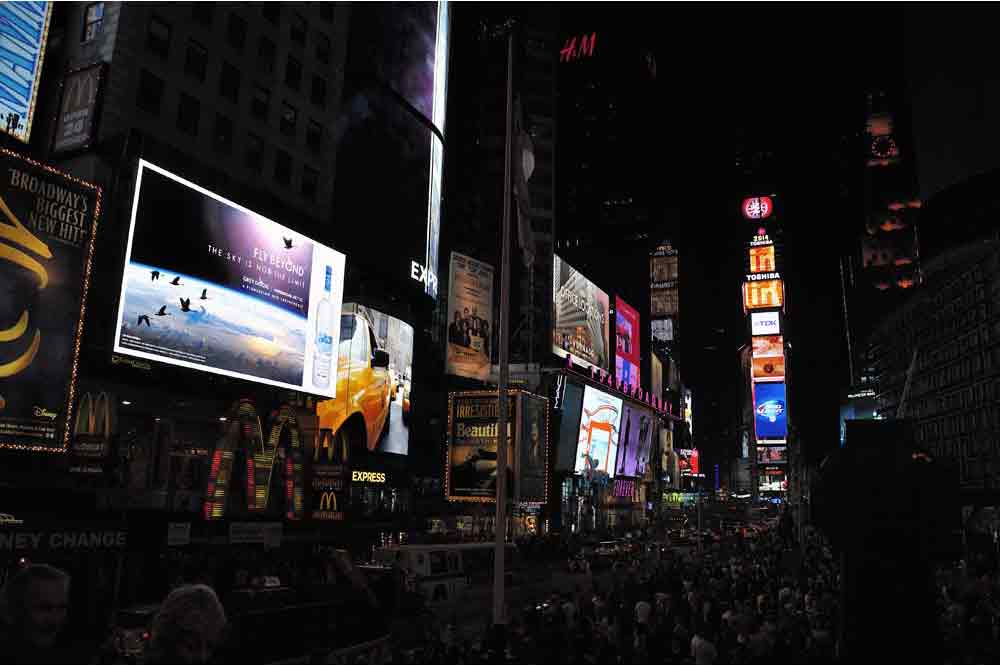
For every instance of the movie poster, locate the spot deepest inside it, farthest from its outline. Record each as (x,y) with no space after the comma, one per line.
(635,442)
(472,445)
(580,317)
(47,225)
(532,449)
(212,286)
(470,317)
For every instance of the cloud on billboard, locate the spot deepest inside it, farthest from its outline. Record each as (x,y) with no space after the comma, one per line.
(210,285)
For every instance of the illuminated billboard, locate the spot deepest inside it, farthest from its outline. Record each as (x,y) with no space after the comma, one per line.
(770,412)
(571,405)
(210,285)
(764,323)
(757,208)
(688,462)
(767,345)
(580,317)
(24,30)
(773,479)
(472,445)
(767,455)
(532,449)
(597,440)
(359,380)
(48,221)
(662,330)
(470,317)
(762,259)
(627,343)
(769,368)
(761,294)
(635,442)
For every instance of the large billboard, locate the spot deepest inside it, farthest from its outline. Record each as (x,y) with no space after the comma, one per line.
(688,462)
(532,449)
(768,346)
(656,370)
(600,427)
(580,317)
(76,124)
(210,285)
(765,323)
(571,404)
(47,225)
(472,445)
(635,441)
(761,294)
(762,259)
(470,317)
(627,343)
(770,412)
(767,455)
(769,368)
(24,30)
(395,337)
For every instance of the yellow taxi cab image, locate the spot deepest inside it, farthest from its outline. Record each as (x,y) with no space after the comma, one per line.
(359,415)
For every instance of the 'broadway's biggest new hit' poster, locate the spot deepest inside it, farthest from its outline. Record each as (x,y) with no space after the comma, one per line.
(213,286)
(47,226)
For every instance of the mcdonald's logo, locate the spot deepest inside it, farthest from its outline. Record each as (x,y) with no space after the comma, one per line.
(328,501)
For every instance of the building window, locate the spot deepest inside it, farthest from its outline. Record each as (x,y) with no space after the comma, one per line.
(237,31)
(261,100)
(203,13)
(326,11)
(222,138)
(229,82)
(289,118)
(323,48)
(265,55)
(188,110)
(314,136)
(254,156)
(271,11)
(310,182)
(93,20)
(195,60)
(282,167)
(318,91)
(150,93)
(297,29)
(158,36)
(293,73)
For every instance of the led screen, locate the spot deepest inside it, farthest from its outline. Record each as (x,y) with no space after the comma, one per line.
(768,345)
(212,286)
(569,427)
(769,368)
(761,294)
(359,380)
(600,426)
(635,441)
(764,323)
(767,455)
(762,259)
(687,462)
(24,30)
(627,339)
(773,479)
(580,317)
(770,411)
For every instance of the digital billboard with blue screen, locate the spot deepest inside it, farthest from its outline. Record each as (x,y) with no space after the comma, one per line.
(770,411)
(24,29)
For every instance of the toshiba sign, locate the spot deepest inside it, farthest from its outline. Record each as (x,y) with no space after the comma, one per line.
(764,323)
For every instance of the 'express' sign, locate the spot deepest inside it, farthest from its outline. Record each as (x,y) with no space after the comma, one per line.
(368,477)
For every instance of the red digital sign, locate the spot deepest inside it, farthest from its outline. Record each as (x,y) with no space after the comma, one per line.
(627,336)
(757,208)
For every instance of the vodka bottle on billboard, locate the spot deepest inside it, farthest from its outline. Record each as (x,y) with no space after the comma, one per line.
(323,355)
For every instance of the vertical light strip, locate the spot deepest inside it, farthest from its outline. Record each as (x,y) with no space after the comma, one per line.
(438,108)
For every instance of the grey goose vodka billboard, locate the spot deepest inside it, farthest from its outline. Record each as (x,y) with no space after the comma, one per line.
(212,286)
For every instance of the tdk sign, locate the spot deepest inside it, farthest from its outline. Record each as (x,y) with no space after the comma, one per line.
(764,323)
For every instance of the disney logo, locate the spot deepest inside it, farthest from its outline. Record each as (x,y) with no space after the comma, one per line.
(43,413)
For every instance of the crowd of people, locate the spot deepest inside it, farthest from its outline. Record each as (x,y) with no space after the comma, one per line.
(765,599)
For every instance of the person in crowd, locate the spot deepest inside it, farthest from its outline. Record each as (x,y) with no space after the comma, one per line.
(188,628)
(34,607)
(455,329)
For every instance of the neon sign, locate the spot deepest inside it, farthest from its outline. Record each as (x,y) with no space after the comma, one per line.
(757,208)
(572,50)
